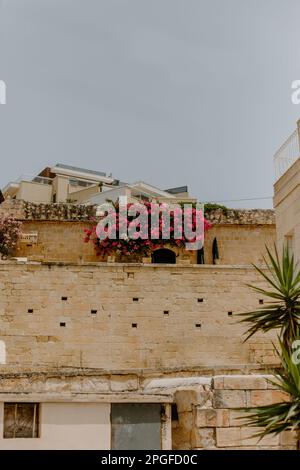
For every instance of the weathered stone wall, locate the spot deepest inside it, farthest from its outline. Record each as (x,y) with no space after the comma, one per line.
(57,241)
(208,417)
(63,241)
(206,403)
(100,332)
(240,244)
(24,210)
(241,216)
(127,316)
(241,234)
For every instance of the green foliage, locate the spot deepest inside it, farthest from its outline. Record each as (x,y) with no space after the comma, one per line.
(10,232)
(210,206)
(283,311)
(283,416)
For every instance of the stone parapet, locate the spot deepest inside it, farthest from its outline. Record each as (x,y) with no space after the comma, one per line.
(63,211)
(241,216)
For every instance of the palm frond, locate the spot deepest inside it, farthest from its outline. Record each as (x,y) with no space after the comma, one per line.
(278,417)
(283,312)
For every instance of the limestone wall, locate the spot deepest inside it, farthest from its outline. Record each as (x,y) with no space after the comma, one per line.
(240,244)
(241,234)
(127,316)
(208,415)
(63,241)
(205,406)
(57,241)
(66,211)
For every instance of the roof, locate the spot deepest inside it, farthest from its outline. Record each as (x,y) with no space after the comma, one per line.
(178,190)
(150,189)
(82,170)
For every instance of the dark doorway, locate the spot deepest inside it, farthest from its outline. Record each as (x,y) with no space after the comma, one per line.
(135,426)
(163,255)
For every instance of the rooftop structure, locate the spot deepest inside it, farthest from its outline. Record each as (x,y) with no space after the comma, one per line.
(287,193)
(65,183)
(287,154)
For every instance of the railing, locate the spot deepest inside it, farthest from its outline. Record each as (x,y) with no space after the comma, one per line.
(35,179)
(288,153)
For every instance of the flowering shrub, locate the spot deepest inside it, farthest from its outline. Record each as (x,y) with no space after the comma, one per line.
(10,231)
(142,243)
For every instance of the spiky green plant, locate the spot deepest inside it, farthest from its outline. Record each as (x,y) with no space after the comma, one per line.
(284,416)
(282,313)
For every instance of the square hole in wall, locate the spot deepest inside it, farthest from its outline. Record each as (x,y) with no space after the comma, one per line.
(198,325)
(64,298)
(134,325)
(30,310)
(135,299)
(62,323)
(261,301)
(93,312)
(166,312)
(200,300)
(229,314)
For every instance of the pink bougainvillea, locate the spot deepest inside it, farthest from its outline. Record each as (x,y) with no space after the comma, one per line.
(10,232)
(144,246)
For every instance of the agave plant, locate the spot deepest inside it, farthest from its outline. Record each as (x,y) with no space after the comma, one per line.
(284,416)
(282,313)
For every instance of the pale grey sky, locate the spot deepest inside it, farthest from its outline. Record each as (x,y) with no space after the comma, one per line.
(173,92)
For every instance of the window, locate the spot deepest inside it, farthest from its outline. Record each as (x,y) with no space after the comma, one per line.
(21,420)
(82,183)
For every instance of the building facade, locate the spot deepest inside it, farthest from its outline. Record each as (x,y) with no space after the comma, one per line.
(69,184)
(287,193)
(131,353)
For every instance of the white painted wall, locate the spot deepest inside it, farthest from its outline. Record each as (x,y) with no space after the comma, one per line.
(66,426)
(34,192)
(112,194)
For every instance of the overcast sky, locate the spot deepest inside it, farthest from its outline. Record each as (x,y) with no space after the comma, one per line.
(171,92)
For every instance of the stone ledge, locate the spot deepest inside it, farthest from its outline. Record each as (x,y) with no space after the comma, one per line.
(241,382)
(98,264)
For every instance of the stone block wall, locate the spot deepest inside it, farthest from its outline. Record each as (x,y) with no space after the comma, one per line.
(57,241)
(206,404)
(241,234)
(208,415)
(240,244)
(24,210)
(118,316)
